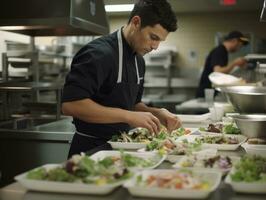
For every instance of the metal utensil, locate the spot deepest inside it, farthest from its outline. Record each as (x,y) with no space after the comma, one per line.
(252,125)
(247,99)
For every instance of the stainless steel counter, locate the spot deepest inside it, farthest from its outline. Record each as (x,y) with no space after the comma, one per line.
(61,130)
(21,150)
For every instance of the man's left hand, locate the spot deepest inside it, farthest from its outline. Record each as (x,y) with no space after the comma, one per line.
(168,119)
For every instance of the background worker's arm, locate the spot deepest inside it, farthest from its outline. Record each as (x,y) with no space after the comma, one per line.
(227,69)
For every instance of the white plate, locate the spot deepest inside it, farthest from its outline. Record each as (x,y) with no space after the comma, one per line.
(174,158)
(255,149)
(209,133)
(63,187)
(189,138)
(169,157)
(216,134)
(200,158)
(127,145)
(192,130)
(137,145)
(145,155)
(218,78)
(227,147)
(213,177)
(194,118)
(244,187)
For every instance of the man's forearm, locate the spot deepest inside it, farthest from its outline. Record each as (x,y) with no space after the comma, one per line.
(226,69)
(92,112)
(143,108)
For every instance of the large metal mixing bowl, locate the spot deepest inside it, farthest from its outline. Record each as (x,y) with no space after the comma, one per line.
(247,99)
(252,126)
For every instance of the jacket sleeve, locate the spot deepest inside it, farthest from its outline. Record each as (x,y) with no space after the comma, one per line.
(86,76)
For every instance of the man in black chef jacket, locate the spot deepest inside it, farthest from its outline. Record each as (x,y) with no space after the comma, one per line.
(217,60)
(103,90)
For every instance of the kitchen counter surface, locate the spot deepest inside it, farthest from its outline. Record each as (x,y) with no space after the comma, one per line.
(58,130)
(16,192)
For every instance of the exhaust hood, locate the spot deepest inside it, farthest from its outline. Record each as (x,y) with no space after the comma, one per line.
(54,17)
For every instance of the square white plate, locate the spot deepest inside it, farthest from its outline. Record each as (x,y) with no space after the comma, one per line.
(145,155)
(63,187)
(199,161)
(221,147)
(244,187)
(127,145)
(213,178)
(175,158)
(194,118)
(227,147)
(137,145)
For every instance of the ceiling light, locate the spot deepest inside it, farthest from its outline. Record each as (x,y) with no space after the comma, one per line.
(11,28)
(119,8)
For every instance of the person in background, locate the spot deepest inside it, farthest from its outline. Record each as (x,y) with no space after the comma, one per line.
(217,60)
(104,88)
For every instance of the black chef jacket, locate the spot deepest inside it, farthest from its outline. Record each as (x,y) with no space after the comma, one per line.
(94,74)
(218,56)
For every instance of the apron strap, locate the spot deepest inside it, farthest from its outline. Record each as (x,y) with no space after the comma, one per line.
(120,54)
(120,61)
(137,70)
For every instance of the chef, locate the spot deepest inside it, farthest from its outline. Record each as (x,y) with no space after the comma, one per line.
(104,87)
(217,60)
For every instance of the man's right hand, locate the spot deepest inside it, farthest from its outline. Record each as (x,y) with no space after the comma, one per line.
(145,120)
(240,62)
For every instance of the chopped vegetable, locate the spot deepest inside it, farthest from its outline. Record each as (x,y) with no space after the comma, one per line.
(231,129)
(250,169)
(82,169)
(173,180)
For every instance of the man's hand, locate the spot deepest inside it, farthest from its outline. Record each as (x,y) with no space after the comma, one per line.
(241,62)
(145,120)
(168,119)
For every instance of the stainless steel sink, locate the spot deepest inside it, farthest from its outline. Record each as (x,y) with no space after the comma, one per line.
(24,123)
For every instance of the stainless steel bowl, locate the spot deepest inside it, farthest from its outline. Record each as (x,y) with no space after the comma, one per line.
(247,99)
(252,125)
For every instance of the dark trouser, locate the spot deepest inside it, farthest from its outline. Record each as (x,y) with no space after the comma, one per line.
(87,145)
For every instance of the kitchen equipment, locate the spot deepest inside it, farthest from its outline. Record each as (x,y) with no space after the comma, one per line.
(218,78)
(246,99)
(251,125)
(54,18)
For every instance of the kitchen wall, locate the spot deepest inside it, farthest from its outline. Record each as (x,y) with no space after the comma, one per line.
(196,33)
(194,38)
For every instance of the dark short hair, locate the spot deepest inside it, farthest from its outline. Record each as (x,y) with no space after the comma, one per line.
(154,12)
